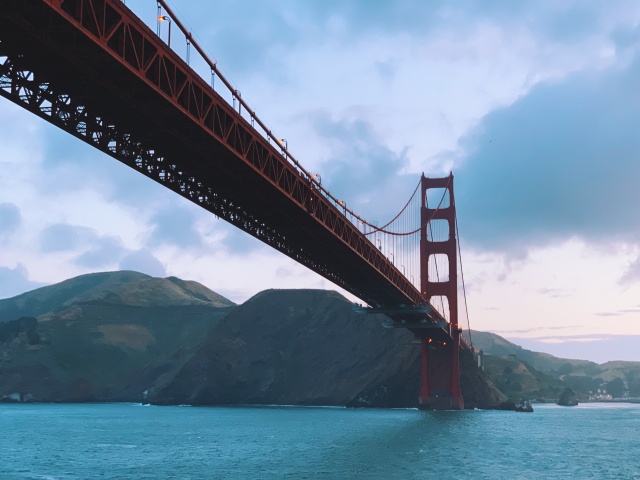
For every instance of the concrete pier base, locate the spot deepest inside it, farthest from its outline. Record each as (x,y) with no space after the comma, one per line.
(441,403)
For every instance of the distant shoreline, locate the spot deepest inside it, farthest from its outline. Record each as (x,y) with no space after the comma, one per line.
(616,400)
(582,402)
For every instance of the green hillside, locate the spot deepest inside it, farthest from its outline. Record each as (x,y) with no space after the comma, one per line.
(53,297)
(124,288)
(124,336)
(308,347)
(534,375)
(84,337)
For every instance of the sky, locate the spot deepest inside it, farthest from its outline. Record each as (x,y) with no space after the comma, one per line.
(534,106)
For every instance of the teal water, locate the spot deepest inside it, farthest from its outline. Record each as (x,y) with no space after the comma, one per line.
(114,441)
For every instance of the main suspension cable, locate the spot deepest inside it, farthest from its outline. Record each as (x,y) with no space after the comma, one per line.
(313,180)
(401,234)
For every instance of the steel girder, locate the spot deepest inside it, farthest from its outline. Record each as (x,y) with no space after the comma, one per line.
(124,77)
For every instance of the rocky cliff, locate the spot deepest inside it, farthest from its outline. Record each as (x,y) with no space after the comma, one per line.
(307,347)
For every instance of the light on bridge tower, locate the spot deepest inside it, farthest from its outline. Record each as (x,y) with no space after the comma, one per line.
(440,357)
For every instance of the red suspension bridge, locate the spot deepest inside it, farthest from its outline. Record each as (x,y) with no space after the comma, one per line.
(97,71)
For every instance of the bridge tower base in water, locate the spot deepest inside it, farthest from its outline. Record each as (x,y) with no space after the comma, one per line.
(439,354)
(439,376)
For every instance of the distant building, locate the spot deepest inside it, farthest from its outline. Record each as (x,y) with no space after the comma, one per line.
(601,396)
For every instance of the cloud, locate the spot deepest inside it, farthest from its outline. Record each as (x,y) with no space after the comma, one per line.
(570,23)
(62,237)
(236,241)
(14,281)
(618,313)
(143,261)
(170,220)
(105,251)
(93,251)
(10,218)
(556,292)
(175,224)
(581,339)
(632,274)
(180,224)
(71,165)
(247,46)
(626,38)
(535,329)
(597,348)
(560,162)
(360,164)
(283,22)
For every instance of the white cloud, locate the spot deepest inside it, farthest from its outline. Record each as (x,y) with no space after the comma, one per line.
(143,261)
(587,276)
(14,281)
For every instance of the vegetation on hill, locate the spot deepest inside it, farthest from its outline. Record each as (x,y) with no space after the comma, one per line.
(51,298)
(128,337)
(522,373)
(125,288)
(307,347)
(89,334)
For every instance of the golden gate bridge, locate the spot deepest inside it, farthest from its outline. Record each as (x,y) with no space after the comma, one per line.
(97,71)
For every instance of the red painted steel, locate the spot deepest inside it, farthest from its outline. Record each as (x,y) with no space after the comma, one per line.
(449,351)
(425,392)
(94,69)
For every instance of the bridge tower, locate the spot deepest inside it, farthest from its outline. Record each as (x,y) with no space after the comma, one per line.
(440,355)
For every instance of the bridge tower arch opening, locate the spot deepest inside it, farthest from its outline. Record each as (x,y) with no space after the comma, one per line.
(439,354)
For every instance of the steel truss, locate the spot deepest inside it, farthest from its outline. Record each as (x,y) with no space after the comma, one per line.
(151,83)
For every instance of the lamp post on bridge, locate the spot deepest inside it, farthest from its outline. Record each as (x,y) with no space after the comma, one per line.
(286,146)
(165,18)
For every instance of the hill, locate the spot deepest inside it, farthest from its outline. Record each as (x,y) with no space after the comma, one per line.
(85,336)
(128,337)
(493,344)
(519,372)
(307,347)
(125,288)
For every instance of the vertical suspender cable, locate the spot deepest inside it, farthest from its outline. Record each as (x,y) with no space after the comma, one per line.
(464,290)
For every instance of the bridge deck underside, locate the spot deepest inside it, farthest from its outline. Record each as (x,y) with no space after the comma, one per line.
(65,62)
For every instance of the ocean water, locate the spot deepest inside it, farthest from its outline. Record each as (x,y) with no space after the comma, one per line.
(119,441)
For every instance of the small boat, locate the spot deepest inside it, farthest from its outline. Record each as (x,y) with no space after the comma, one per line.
(524,406)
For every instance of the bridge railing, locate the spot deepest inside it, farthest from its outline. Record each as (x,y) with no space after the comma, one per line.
(245,110)
(132,41)
(115,31)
